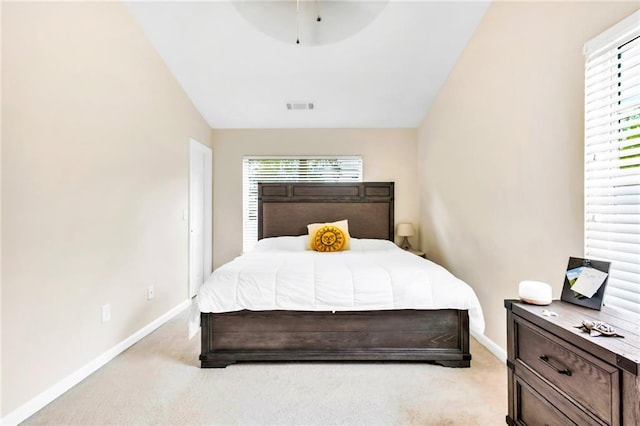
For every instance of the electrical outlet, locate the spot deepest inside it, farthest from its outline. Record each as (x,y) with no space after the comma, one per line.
(106,313)
(150,293)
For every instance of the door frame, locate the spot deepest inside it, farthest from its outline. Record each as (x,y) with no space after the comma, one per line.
(195,146)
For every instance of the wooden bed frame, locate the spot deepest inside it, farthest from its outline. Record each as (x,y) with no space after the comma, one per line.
(437,336)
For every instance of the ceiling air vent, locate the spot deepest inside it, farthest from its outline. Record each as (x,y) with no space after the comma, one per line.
(299,105)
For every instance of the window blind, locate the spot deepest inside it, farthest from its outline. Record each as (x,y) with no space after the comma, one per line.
(612,159)
(288,169)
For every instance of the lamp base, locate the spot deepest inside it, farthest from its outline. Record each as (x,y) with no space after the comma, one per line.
(405,244)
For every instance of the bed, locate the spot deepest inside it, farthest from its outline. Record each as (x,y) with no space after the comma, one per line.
(240,331)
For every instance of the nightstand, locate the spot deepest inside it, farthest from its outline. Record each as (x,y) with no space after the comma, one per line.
(418,253)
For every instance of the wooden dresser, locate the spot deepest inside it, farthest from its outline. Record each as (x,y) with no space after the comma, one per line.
(559,375)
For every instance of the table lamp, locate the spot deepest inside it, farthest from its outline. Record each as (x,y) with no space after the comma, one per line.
(405,230)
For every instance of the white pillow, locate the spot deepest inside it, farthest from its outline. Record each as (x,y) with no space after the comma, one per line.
(282,244)
(365,244)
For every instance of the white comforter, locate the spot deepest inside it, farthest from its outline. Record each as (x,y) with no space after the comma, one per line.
(374,275)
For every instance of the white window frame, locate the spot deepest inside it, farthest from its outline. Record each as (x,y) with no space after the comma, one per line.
(353,173)
(612,180)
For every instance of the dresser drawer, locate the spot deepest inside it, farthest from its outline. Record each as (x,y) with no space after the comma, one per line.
(538,403)
(591,383)
(534,410)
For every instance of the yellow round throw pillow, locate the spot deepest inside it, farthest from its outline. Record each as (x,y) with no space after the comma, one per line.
(328,238)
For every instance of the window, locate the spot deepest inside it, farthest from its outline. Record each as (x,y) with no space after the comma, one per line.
(288,169)
(612,158)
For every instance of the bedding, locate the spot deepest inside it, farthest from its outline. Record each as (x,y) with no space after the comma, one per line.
(281,273)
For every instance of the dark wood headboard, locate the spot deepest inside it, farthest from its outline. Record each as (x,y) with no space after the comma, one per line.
(286,208)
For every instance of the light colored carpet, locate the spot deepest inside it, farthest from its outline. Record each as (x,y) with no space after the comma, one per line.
(158,381)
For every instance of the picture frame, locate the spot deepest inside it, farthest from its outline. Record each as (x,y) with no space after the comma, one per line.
(574,269)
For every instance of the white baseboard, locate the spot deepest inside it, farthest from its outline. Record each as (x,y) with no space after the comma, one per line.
(33,406)
(491,346)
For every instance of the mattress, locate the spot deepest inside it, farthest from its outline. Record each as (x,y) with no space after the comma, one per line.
(281,274)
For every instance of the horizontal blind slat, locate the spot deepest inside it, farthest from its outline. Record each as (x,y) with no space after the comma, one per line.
(624,280)
(607,55)
(604,142)
(621,293)
(616,218)
(614,154)
(613,191)
(625,228)
(612,200)
(605,81)
(608,104)
(610,245)
(612,126)
(622,304)
(613,209)
(624,161)
(610,255)
(619,177)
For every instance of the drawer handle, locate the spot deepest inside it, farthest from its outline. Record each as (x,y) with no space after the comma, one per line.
(564,371)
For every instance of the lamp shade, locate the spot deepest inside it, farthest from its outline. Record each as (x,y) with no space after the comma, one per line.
(405,230)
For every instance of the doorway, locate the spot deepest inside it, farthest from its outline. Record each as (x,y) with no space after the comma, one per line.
(200,214)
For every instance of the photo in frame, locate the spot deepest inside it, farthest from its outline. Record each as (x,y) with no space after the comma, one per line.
(585,282)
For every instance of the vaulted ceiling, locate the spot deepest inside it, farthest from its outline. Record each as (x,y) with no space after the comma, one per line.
(363,65)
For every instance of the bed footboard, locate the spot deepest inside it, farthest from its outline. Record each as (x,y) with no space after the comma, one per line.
(437,336)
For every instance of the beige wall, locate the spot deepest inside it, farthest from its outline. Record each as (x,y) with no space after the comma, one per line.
(501,154)
(95,143)
(388,155)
